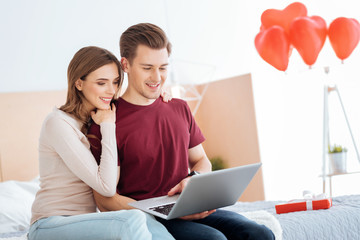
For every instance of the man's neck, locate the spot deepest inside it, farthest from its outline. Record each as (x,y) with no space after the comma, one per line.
(136,99)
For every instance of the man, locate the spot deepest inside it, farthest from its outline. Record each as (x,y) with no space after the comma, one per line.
(158,142)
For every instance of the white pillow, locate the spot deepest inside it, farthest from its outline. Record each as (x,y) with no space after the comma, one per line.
(16,199)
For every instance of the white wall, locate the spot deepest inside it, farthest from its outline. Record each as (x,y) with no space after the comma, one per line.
(289,109)
(39,37)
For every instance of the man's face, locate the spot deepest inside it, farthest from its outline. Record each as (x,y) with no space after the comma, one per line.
(146,74)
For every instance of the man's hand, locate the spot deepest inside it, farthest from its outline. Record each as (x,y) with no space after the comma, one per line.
(197,216)
(178,189)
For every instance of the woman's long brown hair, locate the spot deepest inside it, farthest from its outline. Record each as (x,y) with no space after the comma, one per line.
(85,61)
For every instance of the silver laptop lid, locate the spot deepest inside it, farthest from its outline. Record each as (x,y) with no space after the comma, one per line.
(213,190)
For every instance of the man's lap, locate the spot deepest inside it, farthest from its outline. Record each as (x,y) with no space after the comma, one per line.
(191,230)
(219,225)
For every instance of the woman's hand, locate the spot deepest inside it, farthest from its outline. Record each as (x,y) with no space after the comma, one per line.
(166,97)
(102,115)
(198,216)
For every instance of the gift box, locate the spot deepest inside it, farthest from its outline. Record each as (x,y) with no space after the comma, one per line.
(303,205)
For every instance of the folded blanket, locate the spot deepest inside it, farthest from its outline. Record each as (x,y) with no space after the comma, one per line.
(261,217)
(264,218)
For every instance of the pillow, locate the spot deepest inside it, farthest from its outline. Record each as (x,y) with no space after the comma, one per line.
(16,199)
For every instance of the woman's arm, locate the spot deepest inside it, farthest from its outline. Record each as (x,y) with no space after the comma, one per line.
(73,149)
(114,203)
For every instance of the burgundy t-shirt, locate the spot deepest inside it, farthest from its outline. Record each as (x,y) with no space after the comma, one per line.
(153,143)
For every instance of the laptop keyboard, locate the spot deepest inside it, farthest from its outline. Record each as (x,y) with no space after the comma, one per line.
(164,209)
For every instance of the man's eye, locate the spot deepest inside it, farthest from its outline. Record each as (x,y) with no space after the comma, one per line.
(163,69)
(146,68)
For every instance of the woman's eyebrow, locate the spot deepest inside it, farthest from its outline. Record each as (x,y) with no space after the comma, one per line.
(106,79)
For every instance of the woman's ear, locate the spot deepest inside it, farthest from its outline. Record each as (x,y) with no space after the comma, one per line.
(78,84)
(124,64)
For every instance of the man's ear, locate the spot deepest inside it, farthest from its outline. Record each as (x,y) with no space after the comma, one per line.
(125,64)
(78,84)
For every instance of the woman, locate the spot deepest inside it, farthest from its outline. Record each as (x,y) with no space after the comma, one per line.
(64,207)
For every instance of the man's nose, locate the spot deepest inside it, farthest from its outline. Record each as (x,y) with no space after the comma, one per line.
(156,75)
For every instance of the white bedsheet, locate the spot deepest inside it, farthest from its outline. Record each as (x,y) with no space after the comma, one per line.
(16,199)
(341,221)
(22,236)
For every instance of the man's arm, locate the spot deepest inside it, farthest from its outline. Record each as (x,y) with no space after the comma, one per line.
(117,202)
(198,161)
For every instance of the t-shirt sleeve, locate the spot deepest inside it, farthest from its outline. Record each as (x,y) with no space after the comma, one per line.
(94,137)
(71,148)
(196,136)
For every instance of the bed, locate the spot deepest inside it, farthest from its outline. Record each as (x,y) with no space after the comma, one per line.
(341,221)
(19,180)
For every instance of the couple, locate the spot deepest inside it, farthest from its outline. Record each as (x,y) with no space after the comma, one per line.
(141,147)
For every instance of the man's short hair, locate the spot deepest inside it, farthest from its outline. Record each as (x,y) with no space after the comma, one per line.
(146,34)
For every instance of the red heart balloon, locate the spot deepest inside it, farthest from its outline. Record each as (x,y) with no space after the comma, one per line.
(344,35)
(283,18)
(308,35)
(273,46)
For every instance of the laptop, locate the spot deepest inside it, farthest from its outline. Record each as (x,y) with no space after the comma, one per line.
(203,192)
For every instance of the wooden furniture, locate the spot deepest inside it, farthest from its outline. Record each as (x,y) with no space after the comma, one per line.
(227,118)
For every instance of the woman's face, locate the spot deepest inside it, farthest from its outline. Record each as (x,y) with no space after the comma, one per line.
(99,87)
